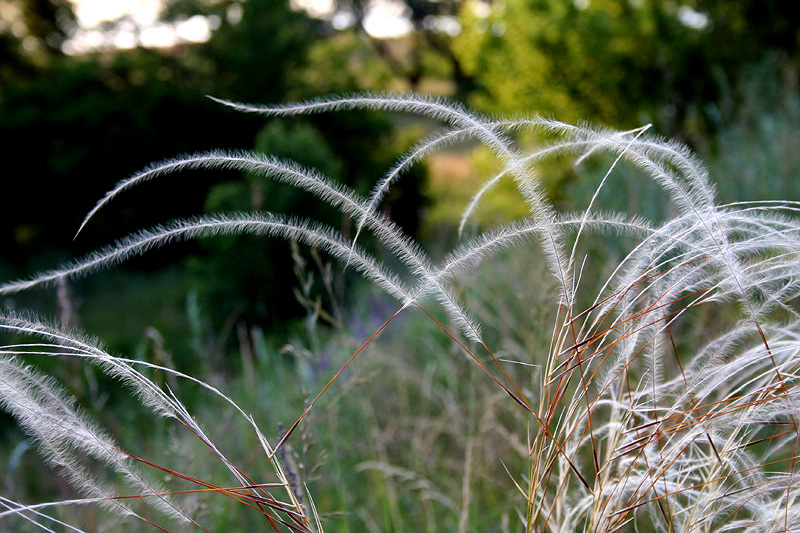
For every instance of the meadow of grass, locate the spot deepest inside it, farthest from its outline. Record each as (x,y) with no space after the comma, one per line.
(626,363)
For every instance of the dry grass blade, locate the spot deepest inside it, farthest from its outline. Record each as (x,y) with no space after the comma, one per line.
(665,398)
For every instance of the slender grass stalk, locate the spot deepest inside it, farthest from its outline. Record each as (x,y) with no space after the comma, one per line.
(631,426)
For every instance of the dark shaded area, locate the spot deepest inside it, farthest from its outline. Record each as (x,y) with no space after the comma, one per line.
(71,133)
(74,126)
(71,127)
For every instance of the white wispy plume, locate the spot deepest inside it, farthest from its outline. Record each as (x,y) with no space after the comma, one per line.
(259,224)
(387,232)
(60,343)
(64,435)
(631,424)
(486,131)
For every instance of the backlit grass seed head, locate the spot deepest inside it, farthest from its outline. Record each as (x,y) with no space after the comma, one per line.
(629,422)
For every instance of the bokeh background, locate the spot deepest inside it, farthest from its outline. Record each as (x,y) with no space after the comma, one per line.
(92,91)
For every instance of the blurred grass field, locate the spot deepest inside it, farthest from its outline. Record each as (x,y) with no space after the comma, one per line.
(412,436)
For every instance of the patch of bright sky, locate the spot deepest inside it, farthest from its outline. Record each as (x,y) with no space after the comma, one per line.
(315,8)
(693,19)
(385,19)
(141,27)
(90,13)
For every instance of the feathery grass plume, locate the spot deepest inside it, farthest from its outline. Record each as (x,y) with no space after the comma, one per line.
(259,224)
(290,173)
(64,434)
(582,147)
(486,131)
(668,402)
(72,344)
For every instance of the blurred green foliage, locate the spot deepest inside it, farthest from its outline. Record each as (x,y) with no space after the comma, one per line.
(756,151)
(621,62)
(253,59)
(72,125)
(251,277)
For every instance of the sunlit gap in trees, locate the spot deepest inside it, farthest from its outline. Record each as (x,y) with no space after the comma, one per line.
(127,24)
(124,24)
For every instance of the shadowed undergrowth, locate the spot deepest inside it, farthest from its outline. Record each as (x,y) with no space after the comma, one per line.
(569,371)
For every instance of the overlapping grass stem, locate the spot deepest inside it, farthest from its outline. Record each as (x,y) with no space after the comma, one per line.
(628,426)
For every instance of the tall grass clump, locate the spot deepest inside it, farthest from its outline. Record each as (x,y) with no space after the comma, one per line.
(661,397)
